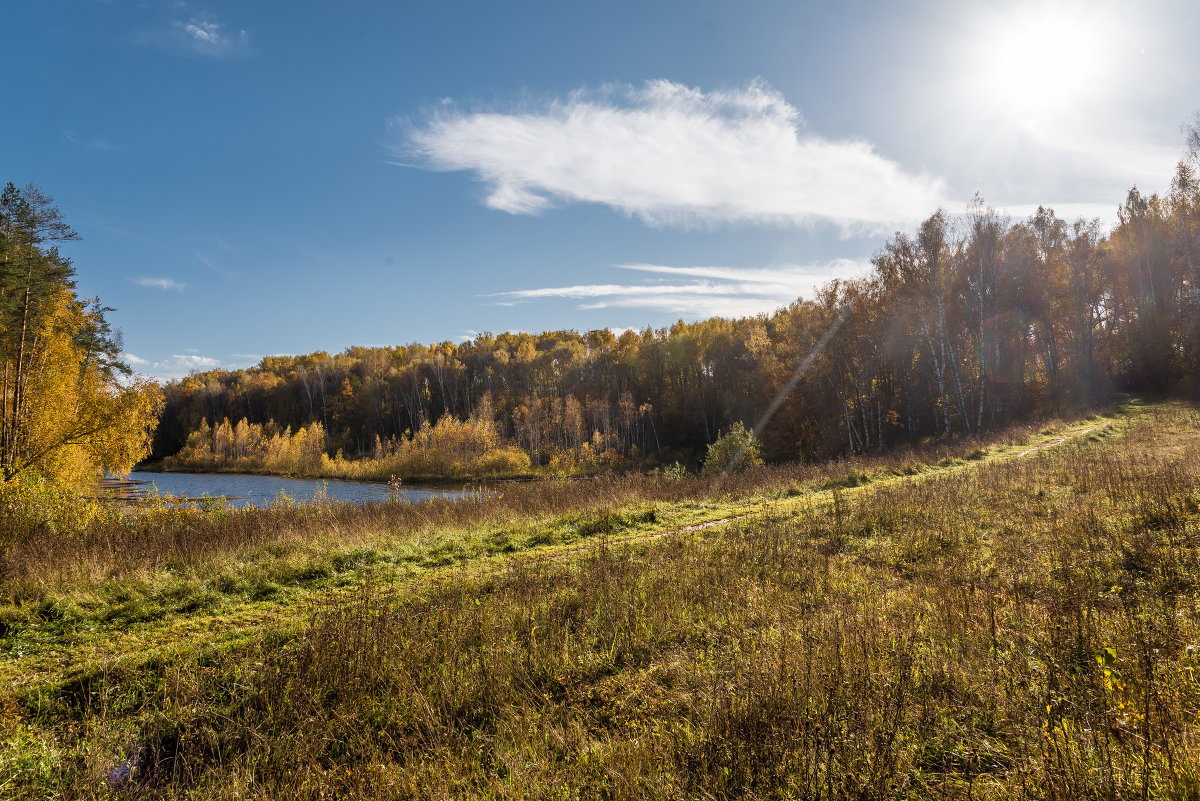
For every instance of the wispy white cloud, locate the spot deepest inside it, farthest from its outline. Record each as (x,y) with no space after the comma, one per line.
(195,362)
(160,283)
(1105,212)
(211,263)
(138,366)
(1089,173)
(198,34)
(208,37)
(717,291)
(1127,160)
(179,365)
(673,155)
(84,142)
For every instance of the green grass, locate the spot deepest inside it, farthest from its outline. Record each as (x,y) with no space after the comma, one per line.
(1011,618)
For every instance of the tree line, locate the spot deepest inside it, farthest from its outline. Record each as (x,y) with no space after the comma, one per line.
(970,322)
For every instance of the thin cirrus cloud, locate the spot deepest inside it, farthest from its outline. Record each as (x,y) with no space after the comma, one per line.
(208,37)
(673,155)
(166,284)
(202,35)
(90,144)
(711,291)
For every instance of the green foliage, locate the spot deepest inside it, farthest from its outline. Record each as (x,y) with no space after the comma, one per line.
(736,450)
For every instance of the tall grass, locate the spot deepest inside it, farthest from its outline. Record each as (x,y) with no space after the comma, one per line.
(50,547)
(1024,628)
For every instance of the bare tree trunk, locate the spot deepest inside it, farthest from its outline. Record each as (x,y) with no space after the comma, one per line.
(982,350)
(939,372)
(19,378)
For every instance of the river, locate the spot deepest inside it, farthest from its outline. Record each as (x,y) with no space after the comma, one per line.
(241,489)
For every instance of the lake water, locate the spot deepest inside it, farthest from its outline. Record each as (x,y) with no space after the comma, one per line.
(239,490)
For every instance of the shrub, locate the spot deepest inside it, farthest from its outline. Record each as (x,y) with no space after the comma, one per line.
(31,504)
(672,472)
(736,450)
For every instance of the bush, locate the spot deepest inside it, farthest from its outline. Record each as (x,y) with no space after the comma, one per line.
(30,504)
(672,472)
(736,450)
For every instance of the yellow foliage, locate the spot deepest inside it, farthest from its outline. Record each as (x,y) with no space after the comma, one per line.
(248,447)
(449,449)
(79,422)
(31,503)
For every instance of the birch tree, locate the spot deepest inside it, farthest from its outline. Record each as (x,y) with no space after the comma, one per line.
(68,406)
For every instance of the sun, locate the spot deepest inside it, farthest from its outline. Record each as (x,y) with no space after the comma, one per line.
(1041,59)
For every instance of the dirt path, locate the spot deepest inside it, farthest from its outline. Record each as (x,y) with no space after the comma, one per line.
(1058,441)
(827,495)
(815,498)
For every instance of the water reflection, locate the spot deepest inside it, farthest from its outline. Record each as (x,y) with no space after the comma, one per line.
(241,490)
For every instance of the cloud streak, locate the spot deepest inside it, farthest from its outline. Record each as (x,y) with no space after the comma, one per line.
(177,365)
(672,155)
(208,37)
(90,144)
(166,284)
(202,35)
(717,291)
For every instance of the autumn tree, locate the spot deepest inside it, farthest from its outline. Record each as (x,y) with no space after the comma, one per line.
(68,407)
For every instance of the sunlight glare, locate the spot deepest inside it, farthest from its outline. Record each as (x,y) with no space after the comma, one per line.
(1042,59)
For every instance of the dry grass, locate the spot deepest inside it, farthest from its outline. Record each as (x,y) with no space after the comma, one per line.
(37,561)
(1021,628)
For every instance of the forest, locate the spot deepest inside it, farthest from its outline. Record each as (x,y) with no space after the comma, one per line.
(972,322)
(969,323)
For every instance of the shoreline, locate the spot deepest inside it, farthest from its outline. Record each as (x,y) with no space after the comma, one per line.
(417,482)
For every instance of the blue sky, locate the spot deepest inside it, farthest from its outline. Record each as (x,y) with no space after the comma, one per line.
(251,178)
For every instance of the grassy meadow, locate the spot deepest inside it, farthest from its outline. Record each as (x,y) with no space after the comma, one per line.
(1010,618)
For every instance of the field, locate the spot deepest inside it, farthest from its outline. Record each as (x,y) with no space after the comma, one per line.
(1013,618)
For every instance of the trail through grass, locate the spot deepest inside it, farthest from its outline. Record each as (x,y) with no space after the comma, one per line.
(82,628)
(1010,619)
